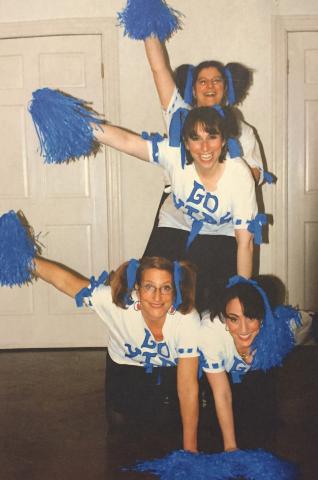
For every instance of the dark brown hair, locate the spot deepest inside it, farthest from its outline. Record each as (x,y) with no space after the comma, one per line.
(213,123)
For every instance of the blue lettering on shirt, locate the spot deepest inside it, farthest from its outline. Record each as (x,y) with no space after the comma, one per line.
(226,218)
(146,343)
(132,353)
(149,350)
(211,202)
(178,203)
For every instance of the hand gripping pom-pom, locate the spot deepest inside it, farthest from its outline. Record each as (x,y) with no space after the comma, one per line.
(247,464)
(17,250)
(146,18)
(63,125)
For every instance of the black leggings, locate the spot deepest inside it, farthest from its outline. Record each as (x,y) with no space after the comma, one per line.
(137,398)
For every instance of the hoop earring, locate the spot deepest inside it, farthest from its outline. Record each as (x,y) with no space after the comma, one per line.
(137,305)
(172,310)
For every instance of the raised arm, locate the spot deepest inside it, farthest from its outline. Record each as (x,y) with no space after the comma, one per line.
(161,70)
(59,276)
(122,140)
(222,394)
(188,392)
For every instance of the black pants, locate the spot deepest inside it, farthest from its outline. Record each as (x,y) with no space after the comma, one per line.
(140,400)
(213,255)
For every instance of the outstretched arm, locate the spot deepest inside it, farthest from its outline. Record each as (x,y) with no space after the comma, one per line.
(188,392)
(161,70)
(222,394)
(59,276)
(122,140)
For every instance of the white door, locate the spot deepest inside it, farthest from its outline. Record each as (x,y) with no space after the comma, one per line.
(303,169)
(65,203)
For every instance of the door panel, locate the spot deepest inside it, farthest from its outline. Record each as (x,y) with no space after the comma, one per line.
(303,169)
(65,203)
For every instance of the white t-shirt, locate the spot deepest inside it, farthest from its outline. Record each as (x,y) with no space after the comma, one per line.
(131,341)
(218,349)
(231,206)
(247,139)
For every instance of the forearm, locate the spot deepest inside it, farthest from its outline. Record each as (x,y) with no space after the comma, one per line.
(122,140)
(189,408)
(160,67)
(60,277)
(224,411)
(245,257)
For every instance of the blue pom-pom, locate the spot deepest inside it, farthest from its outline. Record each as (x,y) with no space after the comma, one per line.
(17,250)
(146,18)
(63,125)
(248,464)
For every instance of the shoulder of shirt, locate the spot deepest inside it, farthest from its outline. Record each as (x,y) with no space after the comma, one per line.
(206,321)
(191,316)
(238,164)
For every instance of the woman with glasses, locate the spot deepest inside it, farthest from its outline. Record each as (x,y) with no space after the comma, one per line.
(152,362)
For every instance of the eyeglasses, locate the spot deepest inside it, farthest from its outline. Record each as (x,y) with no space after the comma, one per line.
(206,81)
(151,289)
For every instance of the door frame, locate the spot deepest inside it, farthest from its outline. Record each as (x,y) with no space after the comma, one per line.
(281,26)
(106,27)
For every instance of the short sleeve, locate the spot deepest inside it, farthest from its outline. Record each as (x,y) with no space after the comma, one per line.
(188,336)
(244,206)
(175,103)
(212,347)
(100,300)
(251,151)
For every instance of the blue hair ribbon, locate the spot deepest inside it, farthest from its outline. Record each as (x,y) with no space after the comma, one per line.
(232,143)
(131,273)
(275,338)
(145,18)
(255,227)
(219,110)
(87,291)
(188,89)
(176,126)
(234,147)
(177,277)
(230,93)
(155,138)
(195,230)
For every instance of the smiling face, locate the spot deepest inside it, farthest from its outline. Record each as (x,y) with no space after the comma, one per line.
(243,329)
(156,294)
(209,87)
(205,148)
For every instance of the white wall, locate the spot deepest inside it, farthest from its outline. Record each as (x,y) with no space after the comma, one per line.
(233,30)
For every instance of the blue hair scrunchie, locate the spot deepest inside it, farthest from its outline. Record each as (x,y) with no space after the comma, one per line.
(177,277)
(188,89)
(232,143)
(131,273)
(87,291)
(275,338)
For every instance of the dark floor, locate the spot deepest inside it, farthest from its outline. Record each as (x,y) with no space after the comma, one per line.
(52,419)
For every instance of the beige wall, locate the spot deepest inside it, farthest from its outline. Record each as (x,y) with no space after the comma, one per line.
(233,30)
